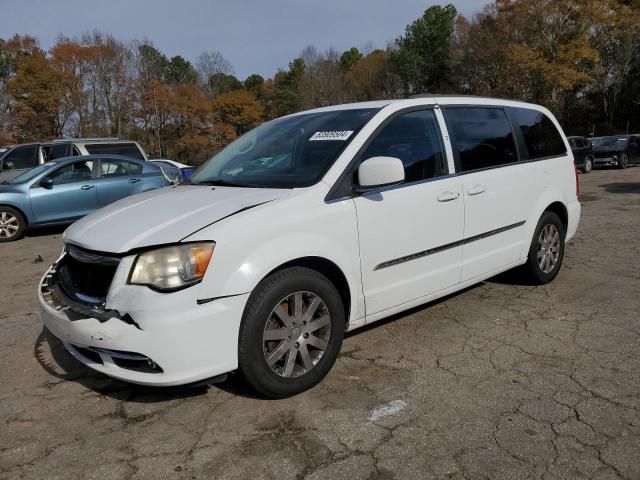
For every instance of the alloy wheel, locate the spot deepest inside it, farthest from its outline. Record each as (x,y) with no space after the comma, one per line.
(296,334)
(9,225)
(548,248)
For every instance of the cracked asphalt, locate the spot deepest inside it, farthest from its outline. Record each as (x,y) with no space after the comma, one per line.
(502,380)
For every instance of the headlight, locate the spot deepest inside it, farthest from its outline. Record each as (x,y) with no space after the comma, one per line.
(172,268)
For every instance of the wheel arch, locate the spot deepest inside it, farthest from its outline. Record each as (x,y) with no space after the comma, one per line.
(559,209)
(25,217)
(327,268)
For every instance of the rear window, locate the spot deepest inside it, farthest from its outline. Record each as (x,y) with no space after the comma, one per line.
(541,136)
(124,149)
(481,136)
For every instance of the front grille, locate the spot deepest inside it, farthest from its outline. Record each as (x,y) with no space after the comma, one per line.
(86,276)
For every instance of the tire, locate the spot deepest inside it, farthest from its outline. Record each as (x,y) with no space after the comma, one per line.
(624,161)
(588,165)
(12,224)
(272,326)
(539,275)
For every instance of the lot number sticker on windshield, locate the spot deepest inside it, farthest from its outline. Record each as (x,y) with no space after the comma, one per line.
(340,135)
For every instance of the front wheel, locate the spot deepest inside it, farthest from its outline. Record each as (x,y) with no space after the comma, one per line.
(624,161)
(588,165)
(546,251)
(291,332)
(12,224)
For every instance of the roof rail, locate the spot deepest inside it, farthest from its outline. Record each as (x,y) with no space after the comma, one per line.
(86,139)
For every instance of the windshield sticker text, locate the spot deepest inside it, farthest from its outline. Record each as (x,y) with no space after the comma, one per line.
(340,135)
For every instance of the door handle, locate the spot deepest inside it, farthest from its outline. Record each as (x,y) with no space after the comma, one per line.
(134,180)
(87,187)
(476,189)
(448,196)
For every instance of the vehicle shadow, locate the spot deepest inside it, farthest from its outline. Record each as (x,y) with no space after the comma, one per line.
(622,187)
(41,231)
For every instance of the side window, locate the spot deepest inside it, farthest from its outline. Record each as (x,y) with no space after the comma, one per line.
(58,150)
(482,137)
(73,172)
(124,149)
(118,168)
(540,134)
(573,143)
(75,152)
(414,138)
(21,158)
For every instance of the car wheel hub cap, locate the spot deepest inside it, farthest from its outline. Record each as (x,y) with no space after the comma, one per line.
(296,334)
(8,225)
(548,248)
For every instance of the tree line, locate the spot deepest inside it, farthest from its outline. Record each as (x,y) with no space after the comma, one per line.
(579,58)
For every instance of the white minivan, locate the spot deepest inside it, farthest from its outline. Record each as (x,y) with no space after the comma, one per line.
(309,226)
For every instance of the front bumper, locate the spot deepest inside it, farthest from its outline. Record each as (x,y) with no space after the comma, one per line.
(606,161)
(146,337)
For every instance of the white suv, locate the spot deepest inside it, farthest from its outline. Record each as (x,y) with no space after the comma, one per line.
(309,226)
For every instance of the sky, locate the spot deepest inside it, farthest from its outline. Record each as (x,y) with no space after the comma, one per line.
(256,36)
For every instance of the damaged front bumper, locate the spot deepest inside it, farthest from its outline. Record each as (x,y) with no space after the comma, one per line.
(142,336)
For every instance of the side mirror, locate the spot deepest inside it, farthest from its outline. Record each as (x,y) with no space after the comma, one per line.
(9,165)
(376,172)
(47,182)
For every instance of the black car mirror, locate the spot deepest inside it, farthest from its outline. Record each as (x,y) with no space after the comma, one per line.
(47,182)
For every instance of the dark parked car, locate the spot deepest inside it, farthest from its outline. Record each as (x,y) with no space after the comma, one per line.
(618,151)
(63,190)
(582,153)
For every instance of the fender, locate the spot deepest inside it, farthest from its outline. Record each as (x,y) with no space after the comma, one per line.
(289,231)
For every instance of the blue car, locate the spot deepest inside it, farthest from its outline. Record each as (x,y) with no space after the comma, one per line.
(63,190)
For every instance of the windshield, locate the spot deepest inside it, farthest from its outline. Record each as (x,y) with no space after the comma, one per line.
(609,142)
(31,174)
(287,152)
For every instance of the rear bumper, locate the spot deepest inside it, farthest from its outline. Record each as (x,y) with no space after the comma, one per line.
(574,210)
(172,344)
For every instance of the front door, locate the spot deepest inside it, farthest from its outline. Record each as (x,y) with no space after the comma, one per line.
(72,195)
(410,234)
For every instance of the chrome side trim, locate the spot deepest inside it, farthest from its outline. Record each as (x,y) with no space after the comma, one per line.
(431,251)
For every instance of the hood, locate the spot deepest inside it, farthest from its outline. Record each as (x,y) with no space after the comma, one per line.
(163,216)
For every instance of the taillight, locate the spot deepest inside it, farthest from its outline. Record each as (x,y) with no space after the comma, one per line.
(577,183)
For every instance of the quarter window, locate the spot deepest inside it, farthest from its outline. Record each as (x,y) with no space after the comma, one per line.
(481,136)
(414,138)
(540,134)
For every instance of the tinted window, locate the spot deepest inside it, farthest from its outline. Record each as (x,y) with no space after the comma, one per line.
(124,149)
(73,172)
(413,138)
(573,143)
(482,137)
(20,158)
(117,168)
(58,150)
(540,134)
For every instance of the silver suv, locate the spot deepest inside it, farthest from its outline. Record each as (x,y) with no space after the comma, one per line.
(15,160)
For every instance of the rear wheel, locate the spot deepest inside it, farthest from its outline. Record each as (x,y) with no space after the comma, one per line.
(546,251)
(12,224)
(588,165)
(291,332)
